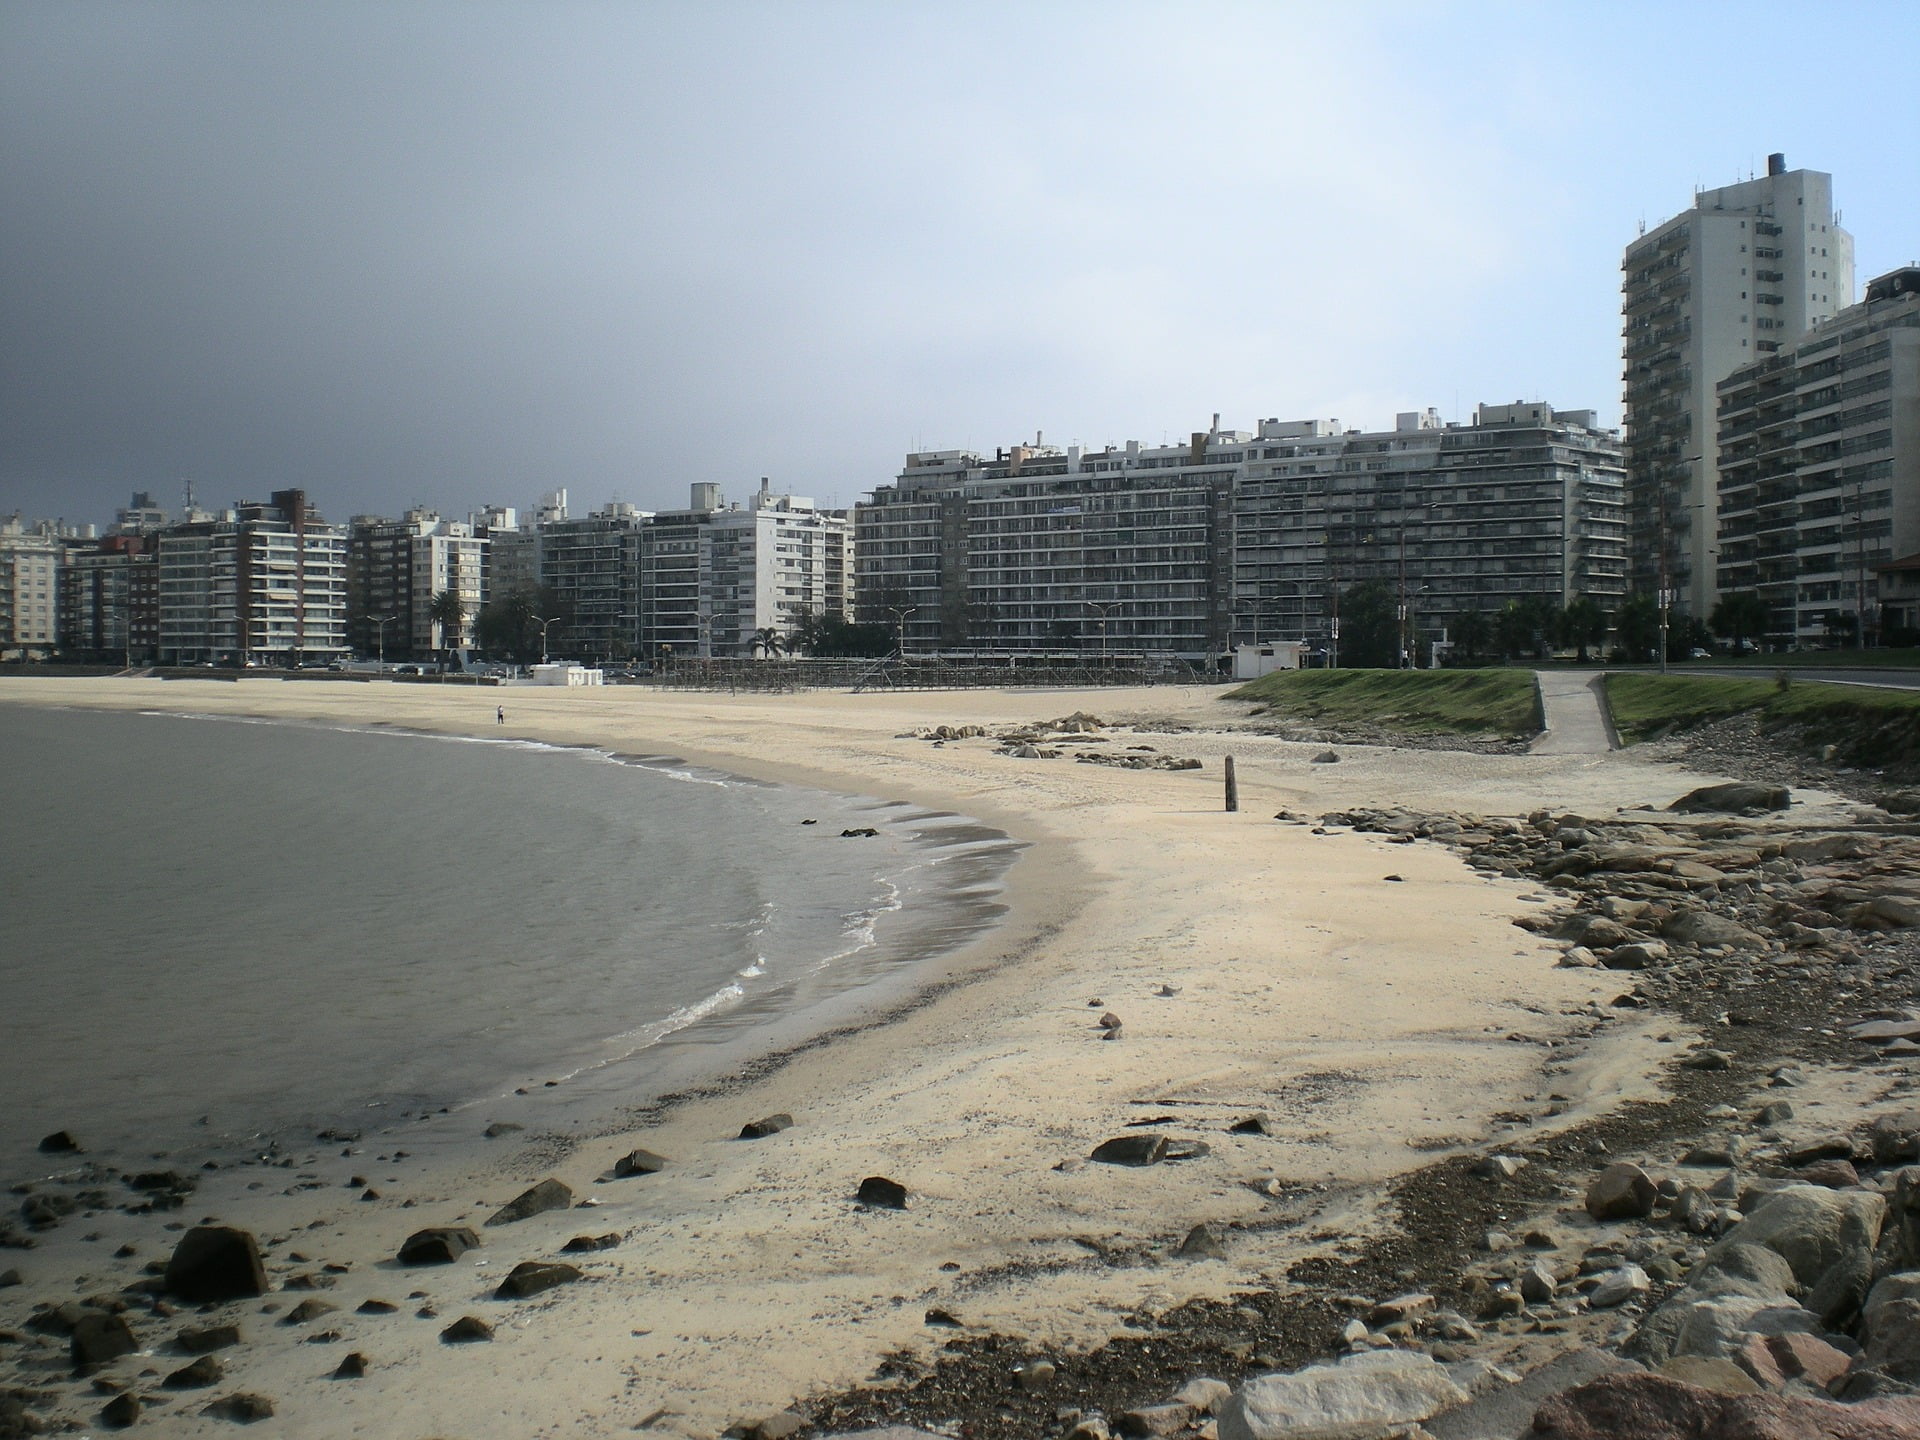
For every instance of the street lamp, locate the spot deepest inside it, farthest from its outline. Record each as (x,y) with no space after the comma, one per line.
(382,621)
(1105,608)
(543,624)
(900,613)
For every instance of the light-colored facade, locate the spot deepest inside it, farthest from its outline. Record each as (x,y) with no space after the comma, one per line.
(1820,468)
(713,577)
(264,583)
(1240,537)
(1743,274)
(29,589)
(395,569)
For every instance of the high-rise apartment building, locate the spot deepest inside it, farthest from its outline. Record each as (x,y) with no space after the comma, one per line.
(262,583)
(396,568)
(110,598)
(1820,468)
(712,577)
(29,588)
(587,562)
(1747,271)
(1240,536)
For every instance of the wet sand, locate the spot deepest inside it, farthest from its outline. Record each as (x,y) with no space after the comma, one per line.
(1366,1017)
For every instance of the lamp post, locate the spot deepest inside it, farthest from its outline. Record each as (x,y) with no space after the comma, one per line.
(543,623)
(900,614)
(382,621)
(1106,608)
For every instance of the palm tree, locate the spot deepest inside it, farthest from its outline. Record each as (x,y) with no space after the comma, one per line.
(449,612)
(767,641)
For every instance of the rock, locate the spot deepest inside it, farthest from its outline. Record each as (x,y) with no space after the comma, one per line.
(1326,757)
(1834,1174)
(1498,1167)
(1255,1124)
(1710,1372)
(1639,955)
(1035,1375)
(205,1339)
(1773,1360)
(98,1337)
(1827,1147)
(1617,1287)
(501,1127)
(768,1125)
(1202,1243)
(48,1209)
(1708,1059)
(121,1411)
(351,1367)
(465,1330)
(242,1408)
(638,1162)
(1653,1407)
(376,1307)
(216,1263)
(1151,1420)
(205,1371)
(877,1190)
(1537,1284)
(1703,927)
(1204,1395)
(1895,1138)
(441,1245)
(10,1278)
(530,1277)
(1370,1394)
(308,1310)
(586,1244)
(1892,1343)
(1146,1148)
(1733,799)
(1621,1192)
(60,1142)
(777,1426)
(549,1194)
(1811,1227)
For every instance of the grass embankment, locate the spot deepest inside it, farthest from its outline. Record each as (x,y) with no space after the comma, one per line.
(1876,659)
(1411,702)
(1866,726)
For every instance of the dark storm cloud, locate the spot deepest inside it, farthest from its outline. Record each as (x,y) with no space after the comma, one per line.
(467,252)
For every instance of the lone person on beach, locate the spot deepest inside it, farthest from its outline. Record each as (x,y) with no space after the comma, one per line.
(500,715)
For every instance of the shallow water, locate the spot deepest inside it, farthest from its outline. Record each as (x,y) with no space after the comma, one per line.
(215,931)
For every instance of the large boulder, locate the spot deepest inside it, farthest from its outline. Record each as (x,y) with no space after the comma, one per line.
(1811,1228)
(1374,1394)
(530,1277)
(1621,1192)
(216,1263)
(1655,1407)
(549,1194)
(1703,927)
(1737,798)
(100,1337)
(441,1245)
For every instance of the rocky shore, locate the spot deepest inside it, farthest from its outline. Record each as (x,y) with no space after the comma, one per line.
(1740,1259)
(1375,1128)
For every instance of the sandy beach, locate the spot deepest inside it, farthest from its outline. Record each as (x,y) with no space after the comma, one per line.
(1373,1000)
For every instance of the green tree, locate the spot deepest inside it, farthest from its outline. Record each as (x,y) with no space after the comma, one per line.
(1582,624)
(1521,623)
(1472,632)
(1739,616)
(1369,627)
(449,612)
(767,641)
(505,626)
(1637,623)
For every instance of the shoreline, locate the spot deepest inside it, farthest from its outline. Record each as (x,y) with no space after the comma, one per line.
(1302,987)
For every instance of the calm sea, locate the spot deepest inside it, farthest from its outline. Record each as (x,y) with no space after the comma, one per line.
(216,931)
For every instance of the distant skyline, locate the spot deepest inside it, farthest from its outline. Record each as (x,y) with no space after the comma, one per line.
(463,253)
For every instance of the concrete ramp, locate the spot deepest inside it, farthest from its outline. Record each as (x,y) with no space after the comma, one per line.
(1575,707)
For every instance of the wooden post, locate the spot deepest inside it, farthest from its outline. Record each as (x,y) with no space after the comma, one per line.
(1233,787)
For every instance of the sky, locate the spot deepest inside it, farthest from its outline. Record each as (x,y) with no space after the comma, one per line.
(457,254)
